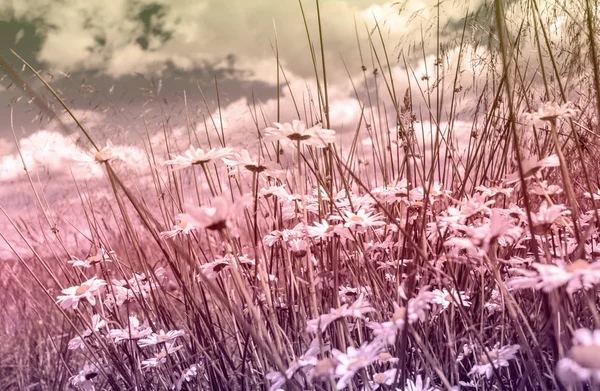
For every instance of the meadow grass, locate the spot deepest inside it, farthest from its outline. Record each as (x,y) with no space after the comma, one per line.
(410,258)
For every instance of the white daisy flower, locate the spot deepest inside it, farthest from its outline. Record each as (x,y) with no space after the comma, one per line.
(418,385)
(84,378)
(499,358)
(161,357)
(444,298)
(297,132)
(220,215)
(576,275)
(357,309)
(195,156)
(87,291)
(161,337)
(582,363)
(551,111)
(183,227)
(100,256)
(355,359)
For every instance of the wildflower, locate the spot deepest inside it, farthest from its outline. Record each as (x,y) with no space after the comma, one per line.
(187,375)
(217,217)
(494,359)
(494,190)
(87,291)
(183,227)
(582,363)
(84,378)
(386,378)
(102,156)
(161,337)
(551,111)
(392,192)
(211,270)
(415,310)
(546,216)
(576,275)
(542,188)
(195,156)
(595,196)
(324,230)
(134,330)
(97,324)
(100,256)
(362,219)
(161,357)
(532,167)
(444,298)
(297,132)
(435,190)
(418,384)
(242,162)
(277,380)
(357,309)
(308,359)
(349,363)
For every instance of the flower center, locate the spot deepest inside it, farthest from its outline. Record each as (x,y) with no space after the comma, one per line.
(299,137)
(183,224)
(492,356)
(255,168)
(587,356)
(579,264)
(399,314)
(82,289)
(357,219)
(379,378)
(324,367)
(217,225)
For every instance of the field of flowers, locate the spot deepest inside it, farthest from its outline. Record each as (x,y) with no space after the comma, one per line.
(406,259)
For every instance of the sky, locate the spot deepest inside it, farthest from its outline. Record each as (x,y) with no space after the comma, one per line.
(127,66)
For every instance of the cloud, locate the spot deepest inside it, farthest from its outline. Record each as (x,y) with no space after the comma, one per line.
(145,36)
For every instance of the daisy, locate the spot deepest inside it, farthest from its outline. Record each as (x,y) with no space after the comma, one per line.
(100,256)
(134,330)
(87,291)
(243,163)
(195,156)
(576,275)
(183,227)
(386,378)
(595,196)
(161,337)
(357,309)
(544,189)
(84,378)
(362,219)
(547,215)
(392,192)
(494,190)
(161,357)
(582,363)
(551,111)
(532,167)
(102,156)
(355,359)
(219,215)
(297,132)
(444,298)
(418,385)
(97,324)
(494,358)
